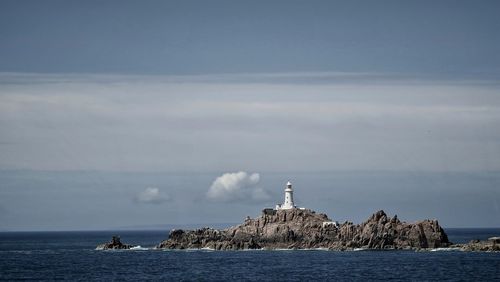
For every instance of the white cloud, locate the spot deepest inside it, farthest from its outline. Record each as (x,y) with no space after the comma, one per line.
(152,195)
(237,186)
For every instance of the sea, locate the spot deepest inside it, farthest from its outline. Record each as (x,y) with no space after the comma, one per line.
(72,256)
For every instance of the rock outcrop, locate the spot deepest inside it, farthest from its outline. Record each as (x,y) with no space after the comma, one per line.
(115,244)
(305,229)
(490,245)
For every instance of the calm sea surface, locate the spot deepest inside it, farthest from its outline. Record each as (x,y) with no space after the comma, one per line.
(72,256)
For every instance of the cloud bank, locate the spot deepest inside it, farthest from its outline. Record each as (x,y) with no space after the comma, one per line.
(237,186)
(151,195)
(211,123)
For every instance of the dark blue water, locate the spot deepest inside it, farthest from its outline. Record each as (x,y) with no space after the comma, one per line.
(72,256)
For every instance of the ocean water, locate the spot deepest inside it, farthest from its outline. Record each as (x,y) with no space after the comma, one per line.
(72,256)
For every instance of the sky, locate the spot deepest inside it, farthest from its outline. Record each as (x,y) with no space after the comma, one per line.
(122,114)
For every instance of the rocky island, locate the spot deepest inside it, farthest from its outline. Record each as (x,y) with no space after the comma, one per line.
(289,227)
(305,229)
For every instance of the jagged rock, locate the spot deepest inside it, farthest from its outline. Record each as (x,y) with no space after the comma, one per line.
(303,229)
(115,244)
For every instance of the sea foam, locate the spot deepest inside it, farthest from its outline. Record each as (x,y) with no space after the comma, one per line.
(445,249)
(138,248)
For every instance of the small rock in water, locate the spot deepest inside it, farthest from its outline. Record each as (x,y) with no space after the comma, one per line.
(115,244)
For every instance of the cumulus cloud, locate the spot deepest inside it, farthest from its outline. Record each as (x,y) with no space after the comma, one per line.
(237,186)
(152,195)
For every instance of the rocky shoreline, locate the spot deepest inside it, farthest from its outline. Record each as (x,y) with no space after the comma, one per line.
(306,229)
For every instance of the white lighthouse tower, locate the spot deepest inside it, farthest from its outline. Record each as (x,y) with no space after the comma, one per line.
(288,204)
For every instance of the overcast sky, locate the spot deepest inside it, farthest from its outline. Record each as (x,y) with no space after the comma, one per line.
(129,113)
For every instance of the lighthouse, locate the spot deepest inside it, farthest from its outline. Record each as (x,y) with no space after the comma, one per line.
(288,204)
